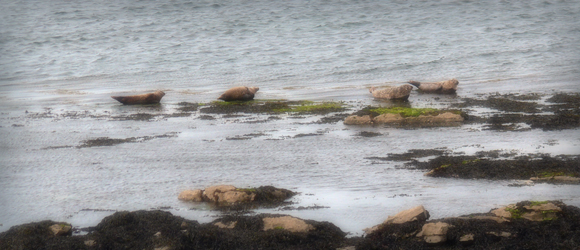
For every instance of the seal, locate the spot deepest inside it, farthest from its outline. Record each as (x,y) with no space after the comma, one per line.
(393,93)
(443,87)
(239,94)
(149,98)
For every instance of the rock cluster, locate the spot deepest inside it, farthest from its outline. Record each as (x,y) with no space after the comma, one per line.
(499,227)
(443,119)
(227,195)
(525,225)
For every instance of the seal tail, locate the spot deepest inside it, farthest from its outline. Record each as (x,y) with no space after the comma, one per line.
(414,83)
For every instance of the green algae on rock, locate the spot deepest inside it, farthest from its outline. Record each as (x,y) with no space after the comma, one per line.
(273,106)
(404,116)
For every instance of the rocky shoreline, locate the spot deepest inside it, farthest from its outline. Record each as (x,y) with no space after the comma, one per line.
(525,225)
(557,228)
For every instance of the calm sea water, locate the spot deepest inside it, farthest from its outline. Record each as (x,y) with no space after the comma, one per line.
(60,56)
(98,46)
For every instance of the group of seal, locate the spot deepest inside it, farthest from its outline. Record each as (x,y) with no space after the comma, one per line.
(233,94)
(243,93)
(402,92)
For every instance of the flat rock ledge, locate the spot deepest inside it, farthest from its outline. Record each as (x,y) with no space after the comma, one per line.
(443,119)
(231,195)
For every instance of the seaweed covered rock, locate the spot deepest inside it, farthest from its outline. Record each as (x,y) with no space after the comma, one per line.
(525,225)
(40,235)
(142,230)
(227,195)
(268,231)
(402,116)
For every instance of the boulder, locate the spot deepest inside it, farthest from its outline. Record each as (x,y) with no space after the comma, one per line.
(417,213)
(191,195)
(61,229)
(289,223)
(434,233)
(358,120)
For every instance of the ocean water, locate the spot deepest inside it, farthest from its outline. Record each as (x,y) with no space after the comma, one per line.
(62,56)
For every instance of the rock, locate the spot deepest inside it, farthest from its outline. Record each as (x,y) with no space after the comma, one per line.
(388,118)
(289,223)
(358,120)
(560,179)
(503,212)
(444,118)
(90,243)
(61,229)
(417,213)
(229,225)
(493,218)
(211,193)
(466,240)
(544,207)
(235,196)
(537,212)
(434,233)
(191,195)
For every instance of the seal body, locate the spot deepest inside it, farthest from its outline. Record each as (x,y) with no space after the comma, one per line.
(393,93)
(443,87)
(150,98)
(239,94)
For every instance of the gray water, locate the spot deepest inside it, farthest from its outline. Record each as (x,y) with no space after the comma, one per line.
(58,57)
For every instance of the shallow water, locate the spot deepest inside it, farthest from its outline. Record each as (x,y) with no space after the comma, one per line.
(59,58)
